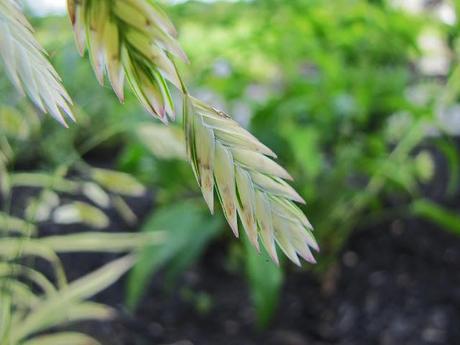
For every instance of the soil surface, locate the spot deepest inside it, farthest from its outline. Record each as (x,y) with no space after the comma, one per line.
(396,283)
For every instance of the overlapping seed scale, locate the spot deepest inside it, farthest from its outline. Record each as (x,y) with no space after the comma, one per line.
(144,15)
(229,131)
(295,235)
(137,53)
(154,55)
(246,204)
(248,181)
(11,10)
(256,161)
(77,18)
(27,66)
(147,19)
(264,216)
(288,209)
(275,186)
(226,189)
(149,88)
(205,157)
(94,29)
(114,66)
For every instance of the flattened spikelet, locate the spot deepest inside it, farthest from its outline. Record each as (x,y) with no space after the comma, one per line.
(129,39)
(27,66)
(225,157)
(247,181)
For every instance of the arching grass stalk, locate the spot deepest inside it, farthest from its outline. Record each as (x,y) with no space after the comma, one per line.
(134,41)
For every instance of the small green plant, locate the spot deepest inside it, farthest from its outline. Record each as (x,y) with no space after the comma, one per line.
(135,41)
(190,230)
(32,303)
(26,313)
(334,88)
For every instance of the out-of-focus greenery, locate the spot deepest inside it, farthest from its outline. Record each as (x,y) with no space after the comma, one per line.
(345,92)
(338,89)
(189,231)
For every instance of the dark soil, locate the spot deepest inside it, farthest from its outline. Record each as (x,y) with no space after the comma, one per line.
(396,283)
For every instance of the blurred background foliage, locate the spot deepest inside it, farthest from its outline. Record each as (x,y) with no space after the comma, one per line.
(358,99)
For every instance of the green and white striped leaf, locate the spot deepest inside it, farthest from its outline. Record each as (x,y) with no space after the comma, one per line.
(80,212)
(31,275)
(100,241)
(67,338)
(12,247)
(49,312)
(118,182)
(43,180)
(10,224)
(21,293)
(96,194)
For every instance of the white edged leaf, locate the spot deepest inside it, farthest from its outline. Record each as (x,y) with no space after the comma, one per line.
(80,212)
(31,275)
(117,182)
(100,242)
(45,313)
(96,194)
(67,338)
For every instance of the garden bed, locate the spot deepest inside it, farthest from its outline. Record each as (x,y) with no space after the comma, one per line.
(396,283)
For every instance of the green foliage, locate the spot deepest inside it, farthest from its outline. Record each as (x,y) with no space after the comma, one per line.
(329,86)
(265,281)
(439,215)
(26,311)
(35,307)
(66,304)
(189,229)
(450,152)
(335,88)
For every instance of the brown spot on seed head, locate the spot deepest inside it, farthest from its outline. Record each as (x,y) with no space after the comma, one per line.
(208,182)
(248,218)
(230,210)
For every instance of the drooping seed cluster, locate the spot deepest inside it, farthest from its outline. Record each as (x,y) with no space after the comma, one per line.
(249,184)
(27,66)
(134,40)
(130,39)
